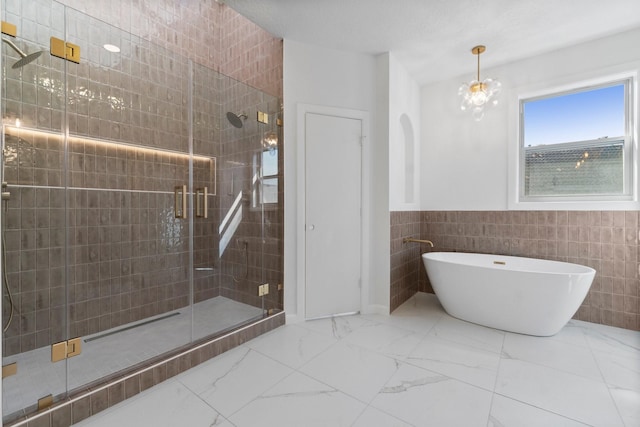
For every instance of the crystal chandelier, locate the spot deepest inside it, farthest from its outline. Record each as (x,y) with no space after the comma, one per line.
(478,93)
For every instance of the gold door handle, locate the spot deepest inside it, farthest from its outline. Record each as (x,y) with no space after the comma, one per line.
(202,203)
(180,201)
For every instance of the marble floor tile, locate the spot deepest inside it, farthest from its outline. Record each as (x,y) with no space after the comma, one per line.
(373,417)
(572,333)
(469,334)
(619,371)
(293,346)
(233,379)
(420,304)
(507,412)
(378,371)
(299,400)
(555,354)
(351,369)
(401,348)
(374,336)
(570,395)
(463,362)
(168,405)
(628,404)
(612,340)
(337,327)
(424,398)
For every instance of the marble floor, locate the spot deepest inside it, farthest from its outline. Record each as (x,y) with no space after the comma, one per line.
(111,351)
(417,367)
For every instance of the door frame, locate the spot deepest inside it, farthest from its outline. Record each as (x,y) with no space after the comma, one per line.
(365,224)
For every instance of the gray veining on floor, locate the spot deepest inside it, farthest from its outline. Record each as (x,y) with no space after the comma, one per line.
(417,367)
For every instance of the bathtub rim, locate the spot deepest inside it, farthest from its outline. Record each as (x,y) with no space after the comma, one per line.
(439,256)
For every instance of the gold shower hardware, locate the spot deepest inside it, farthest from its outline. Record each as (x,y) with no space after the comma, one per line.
(10,369)
(263,289)
(9,29)
(45,402)
(180,202)
(411,239)
(500,262)
(202,203)
(263,117)
(65,50)
(66,349)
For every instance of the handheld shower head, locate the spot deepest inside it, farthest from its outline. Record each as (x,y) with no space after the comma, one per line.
(24,58)
(236,119)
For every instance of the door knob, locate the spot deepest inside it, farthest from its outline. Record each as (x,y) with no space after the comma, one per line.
(312,227)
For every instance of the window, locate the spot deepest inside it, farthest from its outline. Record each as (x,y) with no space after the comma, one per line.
(576,145)
(265,178)
(270,176)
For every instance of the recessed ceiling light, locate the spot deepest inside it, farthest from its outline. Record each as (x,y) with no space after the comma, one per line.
(111,48)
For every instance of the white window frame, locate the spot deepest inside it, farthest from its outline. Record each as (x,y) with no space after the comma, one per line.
(629,200)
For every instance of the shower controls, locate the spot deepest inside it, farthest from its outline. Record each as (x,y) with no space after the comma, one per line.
(6,195)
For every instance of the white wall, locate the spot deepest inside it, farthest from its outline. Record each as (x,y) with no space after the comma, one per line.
(404,99)
(465,164)
(332,78)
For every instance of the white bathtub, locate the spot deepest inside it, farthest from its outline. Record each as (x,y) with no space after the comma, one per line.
(523,295)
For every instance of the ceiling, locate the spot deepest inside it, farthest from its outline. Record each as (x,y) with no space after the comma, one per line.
(433,38)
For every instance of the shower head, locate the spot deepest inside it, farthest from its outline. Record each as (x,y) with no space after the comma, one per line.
(25,59)
(236,119)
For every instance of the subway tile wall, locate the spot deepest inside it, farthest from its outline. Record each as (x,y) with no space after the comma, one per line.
(206,31)
(405,270)
(604,240)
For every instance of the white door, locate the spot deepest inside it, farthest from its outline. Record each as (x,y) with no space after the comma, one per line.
(333,194)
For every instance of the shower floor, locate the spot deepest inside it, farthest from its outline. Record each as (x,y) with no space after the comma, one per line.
(111,351)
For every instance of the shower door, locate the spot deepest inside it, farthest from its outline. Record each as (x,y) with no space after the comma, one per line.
(137,219)
(34,216)
(96,229)
(129,200)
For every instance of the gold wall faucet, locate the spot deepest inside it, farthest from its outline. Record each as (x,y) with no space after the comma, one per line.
(411,239)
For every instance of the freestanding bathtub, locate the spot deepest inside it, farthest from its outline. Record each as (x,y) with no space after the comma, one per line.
(523,295)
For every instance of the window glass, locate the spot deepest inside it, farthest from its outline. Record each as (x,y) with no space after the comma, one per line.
(580,116)
(577,143)
(265,187)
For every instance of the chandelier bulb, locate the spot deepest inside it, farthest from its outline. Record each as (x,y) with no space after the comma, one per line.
(476,94)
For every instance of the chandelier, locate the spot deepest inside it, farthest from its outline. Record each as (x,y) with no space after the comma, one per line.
(478,93)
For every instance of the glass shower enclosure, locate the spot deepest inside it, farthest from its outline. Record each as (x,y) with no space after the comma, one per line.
(141,203)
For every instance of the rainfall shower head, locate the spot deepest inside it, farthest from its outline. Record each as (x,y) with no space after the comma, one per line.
(25,59)
(236,119)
